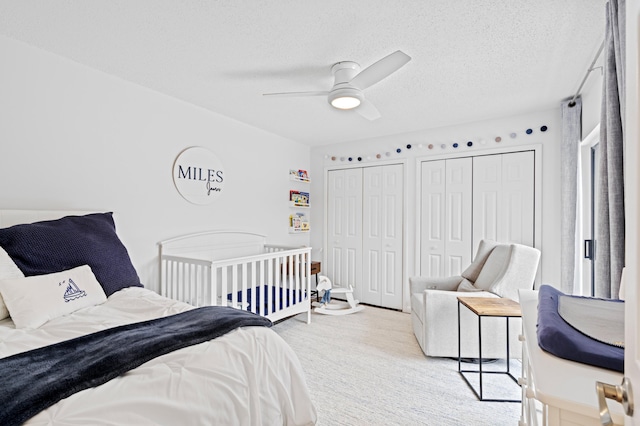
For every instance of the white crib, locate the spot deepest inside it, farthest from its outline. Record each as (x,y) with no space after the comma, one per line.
(238,269)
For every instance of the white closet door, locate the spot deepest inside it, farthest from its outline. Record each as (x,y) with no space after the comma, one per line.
(382,236)
(459,213)
(503,193)
(344,230)
(487,187)
(518,194)
(445,216)
(432,218)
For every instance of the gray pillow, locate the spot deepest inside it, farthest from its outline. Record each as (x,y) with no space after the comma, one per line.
(495,265)
(484,250)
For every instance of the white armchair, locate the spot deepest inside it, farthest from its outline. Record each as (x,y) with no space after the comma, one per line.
(498,270)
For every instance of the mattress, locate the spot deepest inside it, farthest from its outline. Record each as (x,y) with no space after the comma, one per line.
(559,338)
(285,298)
(248,376)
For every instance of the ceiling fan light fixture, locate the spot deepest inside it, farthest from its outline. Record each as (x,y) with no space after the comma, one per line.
(346,98)
(345,102)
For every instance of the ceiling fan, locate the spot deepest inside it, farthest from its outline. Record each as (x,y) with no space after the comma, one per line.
(350,82)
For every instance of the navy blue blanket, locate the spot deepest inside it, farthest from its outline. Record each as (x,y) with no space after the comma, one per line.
(291,297)
(35,380)
(559,338)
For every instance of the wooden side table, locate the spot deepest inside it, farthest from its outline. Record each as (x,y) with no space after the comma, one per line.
(487,307)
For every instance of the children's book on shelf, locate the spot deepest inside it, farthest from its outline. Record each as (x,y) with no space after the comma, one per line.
(299,222)
(299,175)
(299,197)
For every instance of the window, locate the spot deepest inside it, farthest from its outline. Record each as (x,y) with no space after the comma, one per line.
(588,174)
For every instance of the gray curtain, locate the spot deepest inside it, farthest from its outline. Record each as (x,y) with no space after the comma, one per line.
(609,259)
(569,152)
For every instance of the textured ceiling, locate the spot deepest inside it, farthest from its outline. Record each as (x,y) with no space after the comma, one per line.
(472,60)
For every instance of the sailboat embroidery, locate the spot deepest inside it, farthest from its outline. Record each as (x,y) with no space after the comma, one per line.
(73,292)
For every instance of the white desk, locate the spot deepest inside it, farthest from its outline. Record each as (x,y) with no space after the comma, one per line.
(566,389)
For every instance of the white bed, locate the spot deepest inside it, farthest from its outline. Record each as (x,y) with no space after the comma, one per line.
(239,269)
(248,376)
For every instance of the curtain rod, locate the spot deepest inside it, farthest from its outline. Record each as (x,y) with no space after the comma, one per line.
(573,100)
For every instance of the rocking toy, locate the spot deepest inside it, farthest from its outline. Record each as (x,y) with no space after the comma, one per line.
(327,307)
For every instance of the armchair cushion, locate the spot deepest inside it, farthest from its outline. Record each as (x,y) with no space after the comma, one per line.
(466,285)
(420,284)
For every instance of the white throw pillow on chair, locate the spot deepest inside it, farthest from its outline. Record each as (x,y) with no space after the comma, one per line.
(484,250)
(493,267)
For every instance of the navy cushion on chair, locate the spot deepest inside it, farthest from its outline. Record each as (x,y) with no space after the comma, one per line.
(559,338)
(57,245)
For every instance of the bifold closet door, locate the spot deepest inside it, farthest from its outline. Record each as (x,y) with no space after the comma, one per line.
(445,216)
(344,228)
(503,198)
(383,193)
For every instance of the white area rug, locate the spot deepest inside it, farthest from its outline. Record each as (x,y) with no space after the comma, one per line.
(367,369)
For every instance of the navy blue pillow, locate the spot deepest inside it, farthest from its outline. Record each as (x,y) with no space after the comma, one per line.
(57,245)
(559,338)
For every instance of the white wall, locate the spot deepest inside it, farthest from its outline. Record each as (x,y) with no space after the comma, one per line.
(72,137)
(478,133)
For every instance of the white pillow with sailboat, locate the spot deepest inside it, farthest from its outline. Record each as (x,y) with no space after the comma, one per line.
(32,301)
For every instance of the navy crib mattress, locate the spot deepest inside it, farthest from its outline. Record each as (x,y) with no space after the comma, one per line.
(559,338)
(286,298)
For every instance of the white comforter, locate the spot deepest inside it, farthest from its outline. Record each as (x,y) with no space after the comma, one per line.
(249,376)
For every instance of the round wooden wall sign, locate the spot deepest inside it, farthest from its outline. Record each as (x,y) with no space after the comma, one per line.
(198,175)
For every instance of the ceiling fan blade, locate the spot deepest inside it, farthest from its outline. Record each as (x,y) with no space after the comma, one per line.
(380,70)
(368,110)
(292,94)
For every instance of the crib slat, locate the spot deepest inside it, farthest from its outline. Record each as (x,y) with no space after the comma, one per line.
(234,285)
(254,287)
(224,280)
(261,284)
(269,296)
(276,281)
(296,286)
(243,290)
(214,286)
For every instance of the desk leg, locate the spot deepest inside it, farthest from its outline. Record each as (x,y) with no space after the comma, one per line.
(459,350)
(508,362)
(480,352)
